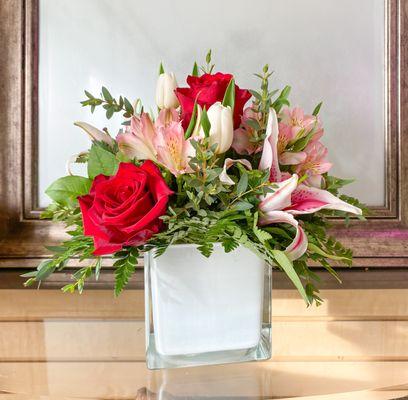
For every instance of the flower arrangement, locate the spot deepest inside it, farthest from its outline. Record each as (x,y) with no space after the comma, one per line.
(216,163)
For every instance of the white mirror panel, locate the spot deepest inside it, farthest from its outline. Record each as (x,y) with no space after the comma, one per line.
(326,50)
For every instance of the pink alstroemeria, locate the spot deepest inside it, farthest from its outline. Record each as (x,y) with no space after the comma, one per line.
(315,163)
(173,150)
(242,142)
(295,125)
(138,139)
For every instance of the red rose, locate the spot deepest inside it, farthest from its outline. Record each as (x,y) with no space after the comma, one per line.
(124,210)
(211,88)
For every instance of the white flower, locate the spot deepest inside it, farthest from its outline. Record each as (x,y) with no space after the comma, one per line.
(165,96)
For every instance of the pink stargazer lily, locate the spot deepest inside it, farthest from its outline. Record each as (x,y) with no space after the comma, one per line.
(289,198)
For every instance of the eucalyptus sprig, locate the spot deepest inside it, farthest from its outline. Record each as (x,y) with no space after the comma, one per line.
(110,104)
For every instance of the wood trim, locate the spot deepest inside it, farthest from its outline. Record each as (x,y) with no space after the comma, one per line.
(22,235)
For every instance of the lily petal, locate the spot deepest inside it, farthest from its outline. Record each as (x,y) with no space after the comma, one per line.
(95,133)
(308,200)
(229,162)
(281,197)
(269,157)
(299,244)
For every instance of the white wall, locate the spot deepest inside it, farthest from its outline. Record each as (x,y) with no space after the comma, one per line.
(326,49)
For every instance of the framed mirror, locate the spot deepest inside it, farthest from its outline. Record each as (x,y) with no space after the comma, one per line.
(350,54)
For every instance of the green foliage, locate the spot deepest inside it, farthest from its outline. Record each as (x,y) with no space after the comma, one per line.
(317,109)
(109,103)
(77,246)
(205,123)
(65,190)
(208,67)
(125,266)
(101,161)
(229,96)
(195,70)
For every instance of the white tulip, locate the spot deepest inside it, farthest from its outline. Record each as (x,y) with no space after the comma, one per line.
(165,96)
(222,127)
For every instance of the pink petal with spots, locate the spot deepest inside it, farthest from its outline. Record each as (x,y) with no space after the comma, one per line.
(299,244)
(269,157)
(307,200)
(281,197)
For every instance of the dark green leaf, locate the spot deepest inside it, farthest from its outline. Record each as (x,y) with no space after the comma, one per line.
(317,109)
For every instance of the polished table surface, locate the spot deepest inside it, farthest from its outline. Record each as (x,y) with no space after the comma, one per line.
(54,346)
(264,380)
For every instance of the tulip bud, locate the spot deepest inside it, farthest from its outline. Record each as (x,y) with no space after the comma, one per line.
(165,96)
(222,129)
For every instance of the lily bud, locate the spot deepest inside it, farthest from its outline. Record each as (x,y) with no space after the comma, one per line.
(222,127)
(165,96)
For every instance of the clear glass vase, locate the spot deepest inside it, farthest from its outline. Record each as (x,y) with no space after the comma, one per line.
(202,311)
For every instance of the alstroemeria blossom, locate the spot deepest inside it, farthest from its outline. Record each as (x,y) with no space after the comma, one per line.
(295,124)
(315,163)
(243,142)
(173,150)
(137,140)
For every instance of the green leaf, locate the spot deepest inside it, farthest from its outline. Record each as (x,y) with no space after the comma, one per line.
(65,190)
(281,258)
(128,106)
(192,122)
(242,184)
(195,70)
(161,69)
(106,95)
(229,95)
(208,57)
(205,123)
(317,109)
(242,205)
(101,161)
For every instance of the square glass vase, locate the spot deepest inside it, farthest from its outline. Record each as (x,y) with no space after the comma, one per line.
(202,311)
